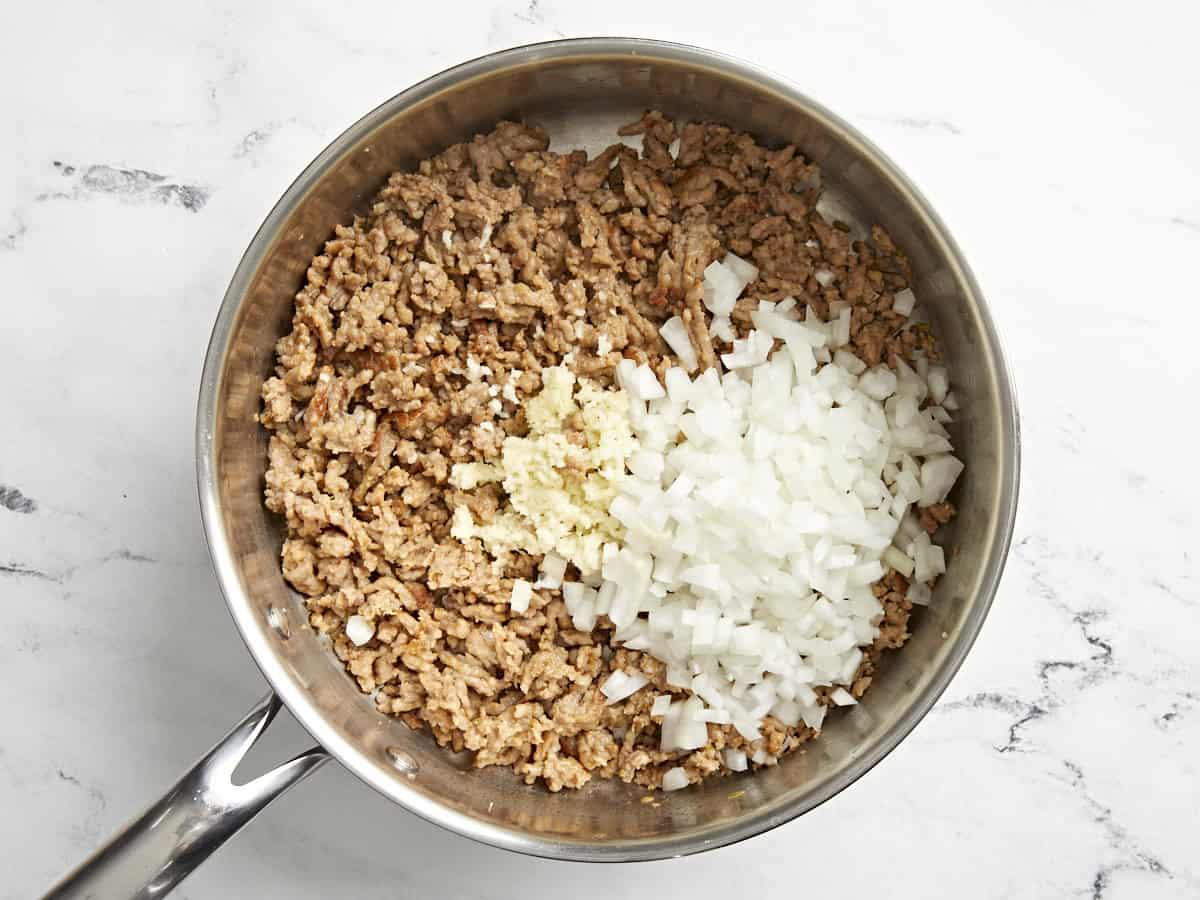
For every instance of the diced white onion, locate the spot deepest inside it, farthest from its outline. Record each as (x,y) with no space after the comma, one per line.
(646,464)
(904,302)
(848,361)
(938,475)
(724,282)
(721,289)
(919,594)
(721,328)
(522,593)
(898,561)
(841,328)
(643,384)
(734,759)
(359,630)
(878,383)
(939,383)
(745,270)
(620,685)
(767,496)
(573,594)
(675,333)
(675,779)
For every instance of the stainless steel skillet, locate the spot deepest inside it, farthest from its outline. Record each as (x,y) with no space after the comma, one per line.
(580,91)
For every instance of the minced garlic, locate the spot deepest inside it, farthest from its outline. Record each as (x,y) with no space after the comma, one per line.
(558,492)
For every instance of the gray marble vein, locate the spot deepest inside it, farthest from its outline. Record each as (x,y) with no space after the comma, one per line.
(16,570)
(127,185)
(14,233)
(14,501)
(60,576)
(253,139)
(918,123)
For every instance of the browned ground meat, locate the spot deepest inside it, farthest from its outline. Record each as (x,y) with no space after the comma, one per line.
(499,257)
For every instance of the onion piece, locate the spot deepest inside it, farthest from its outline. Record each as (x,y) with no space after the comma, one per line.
(647,465)
(919,594)
(745,270)
(675,333)
(939,384)
(552,572)
(522,593)
(904,302)
(620,685)
(675,779)
(893,557)
(841,329)
(359,630)
(643,384)
(938,475)
(878,383)
(573,594)
(734,759)
(843,697)
(721,328)
(765,501)
(722,286)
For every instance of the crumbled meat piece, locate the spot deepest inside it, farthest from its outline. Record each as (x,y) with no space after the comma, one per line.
(499,258)
(935,516)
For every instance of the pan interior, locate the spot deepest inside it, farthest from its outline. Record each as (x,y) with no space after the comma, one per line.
(581,92)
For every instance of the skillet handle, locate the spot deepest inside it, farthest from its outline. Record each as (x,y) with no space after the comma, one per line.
(153,853)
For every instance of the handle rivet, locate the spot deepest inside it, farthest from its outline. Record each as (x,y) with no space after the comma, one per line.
(402,761)
(278,620)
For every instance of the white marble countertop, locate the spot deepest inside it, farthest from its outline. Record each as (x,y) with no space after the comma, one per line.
(144,142)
